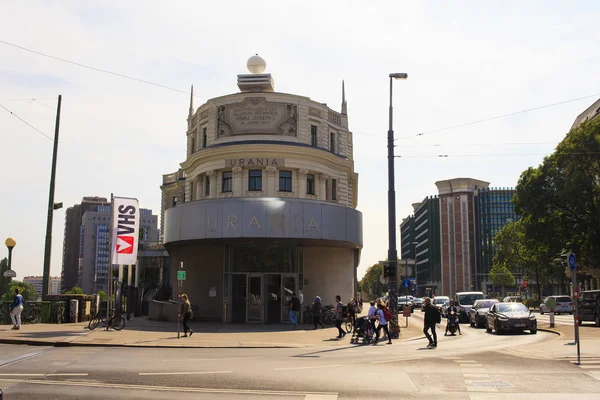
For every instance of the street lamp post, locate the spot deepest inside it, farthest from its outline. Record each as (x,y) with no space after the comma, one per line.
(392,252)
(415,244)
(10,244)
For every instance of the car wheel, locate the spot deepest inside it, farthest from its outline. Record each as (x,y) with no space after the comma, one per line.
(571,313)
(487,327)
(533,331)
(496,328)
(541,312)
(597,319)
(471,322)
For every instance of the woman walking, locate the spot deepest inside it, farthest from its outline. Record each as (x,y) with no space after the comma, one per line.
(317,308)
(383,324)
(186,311)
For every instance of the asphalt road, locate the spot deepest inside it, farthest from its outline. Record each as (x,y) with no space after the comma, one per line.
(462,367)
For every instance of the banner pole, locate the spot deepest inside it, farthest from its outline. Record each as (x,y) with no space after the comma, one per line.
(110,261)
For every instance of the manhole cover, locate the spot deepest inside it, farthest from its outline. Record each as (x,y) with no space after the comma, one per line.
(492,384)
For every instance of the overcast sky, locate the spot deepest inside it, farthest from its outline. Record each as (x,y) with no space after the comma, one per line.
(466,61)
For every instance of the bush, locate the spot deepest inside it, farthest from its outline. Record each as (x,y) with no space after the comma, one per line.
(532,303)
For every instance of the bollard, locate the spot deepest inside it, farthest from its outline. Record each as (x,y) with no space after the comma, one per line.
(552,318)
(74,307)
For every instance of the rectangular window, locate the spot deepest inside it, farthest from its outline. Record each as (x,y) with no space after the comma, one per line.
(285,181)
(255,180)
(203,137)
(313,135)
(174,201)
(191,191)
(192,147)
(332,142)
(226,185)
(207,185)
(333,189)
(310,184)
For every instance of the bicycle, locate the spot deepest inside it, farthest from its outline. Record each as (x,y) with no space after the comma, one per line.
(31,314)
(60,314)
(116,321)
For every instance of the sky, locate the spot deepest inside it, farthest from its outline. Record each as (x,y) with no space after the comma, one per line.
(466,61)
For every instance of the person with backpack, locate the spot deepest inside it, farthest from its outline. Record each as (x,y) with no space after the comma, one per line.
(353,309)
(294,310)
(339,316)
(16,308)
(317,309)
(432,317)
(186,312)
(384,317)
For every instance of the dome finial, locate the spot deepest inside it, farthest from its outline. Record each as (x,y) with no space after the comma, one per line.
(256,64)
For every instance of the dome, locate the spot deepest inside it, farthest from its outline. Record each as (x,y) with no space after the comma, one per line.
(256,64)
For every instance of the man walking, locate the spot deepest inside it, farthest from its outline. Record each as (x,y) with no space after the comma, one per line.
(432,317)
(16,308)
(294,309)
(339,316)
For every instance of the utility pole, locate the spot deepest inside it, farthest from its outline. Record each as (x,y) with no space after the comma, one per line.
(51,207)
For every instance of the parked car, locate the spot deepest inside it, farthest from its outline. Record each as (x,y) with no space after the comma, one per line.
(509,317)
(564,304)
(513,299)
(464,301)
(405,301)
(479,311)
(589,306)
(418,303)
(438,302)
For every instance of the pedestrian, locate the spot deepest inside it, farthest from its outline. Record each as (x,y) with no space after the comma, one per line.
(452,318)
(317,309)
(186,311)
(352,310)
(294,309)
(339,316)
(432,317)
(372,315)
(383,324)
(16,308)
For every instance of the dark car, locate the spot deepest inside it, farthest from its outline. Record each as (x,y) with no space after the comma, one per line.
(509,317)
(479,311)
(589,306)
(418,303)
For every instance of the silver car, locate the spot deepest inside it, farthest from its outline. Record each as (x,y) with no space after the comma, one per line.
(564,304)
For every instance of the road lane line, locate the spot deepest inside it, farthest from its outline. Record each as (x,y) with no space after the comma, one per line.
(212,359)
(23,357)
(184,373)
(321,397)
(22,374)
(307,367)
(68,374)
(476,376)
(173,388)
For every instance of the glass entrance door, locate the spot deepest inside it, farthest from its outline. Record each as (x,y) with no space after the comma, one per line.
(274,301)
(255,298)
(238,297)
(290,288)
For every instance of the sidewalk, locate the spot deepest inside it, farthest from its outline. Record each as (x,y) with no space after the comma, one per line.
(141,332)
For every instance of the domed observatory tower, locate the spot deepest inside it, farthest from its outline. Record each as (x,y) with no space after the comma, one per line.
(264,205)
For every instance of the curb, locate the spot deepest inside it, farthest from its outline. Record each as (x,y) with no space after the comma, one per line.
(550,330)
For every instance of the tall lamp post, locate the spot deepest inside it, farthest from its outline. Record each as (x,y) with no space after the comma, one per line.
(392,252)
(10,244)
(415,244)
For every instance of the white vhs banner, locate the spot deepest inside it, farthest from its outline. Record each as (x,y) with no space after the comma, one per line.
(125,230)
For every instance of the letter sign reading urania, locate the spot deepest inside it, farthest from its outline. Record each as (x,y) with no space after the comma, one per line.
(125,230)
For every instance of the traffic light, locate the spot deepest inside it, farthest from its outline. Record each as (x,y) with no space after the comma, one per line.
(386,270)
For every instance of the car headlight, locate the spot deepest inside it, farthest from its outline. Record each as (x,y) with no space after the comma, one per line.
(532,317)
(502,319)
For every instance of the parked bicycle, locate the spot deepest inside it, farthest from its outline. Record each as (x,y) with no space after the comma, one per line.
(31,314)
(60,313)
(116,321)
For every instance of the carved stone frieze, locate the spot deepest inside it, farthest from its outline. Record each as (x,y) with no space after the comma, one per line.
(256,115)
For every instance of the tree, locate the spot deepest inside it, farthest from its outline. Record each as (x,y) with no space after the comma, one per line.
(103,295)
(370,283)
(501,276)
(3,280)
(75,290)
(25,289)
(560,199)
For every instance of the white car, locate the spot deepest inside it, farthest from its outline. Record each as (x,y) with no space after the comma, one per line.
(564,304)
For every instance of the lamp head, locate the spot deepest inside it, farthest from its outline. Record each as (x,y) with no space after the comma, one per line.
(399,75)
(10,243)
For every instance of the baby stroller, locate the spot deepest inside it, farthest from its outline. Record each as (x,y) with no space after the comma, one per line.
(362,329)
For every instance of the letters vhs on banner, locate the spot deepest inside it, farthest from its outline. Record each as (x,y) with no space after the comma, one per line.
(125,230)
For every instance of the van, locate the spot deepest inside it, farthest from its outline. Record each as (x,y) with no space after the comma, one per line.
(589,306)
(464,301)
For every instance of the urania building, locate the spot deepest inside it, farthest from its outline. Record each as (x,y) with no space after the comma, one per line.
(264,205)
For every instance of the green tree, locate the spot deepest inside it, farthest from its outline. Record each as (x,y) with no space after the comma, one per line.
(75,290)
(103,295)
(370,283)
(25,289)
(560,199)
(501,276)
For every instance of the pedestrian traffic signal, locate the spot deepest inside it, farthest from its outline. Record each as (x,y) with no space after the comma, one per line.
(386,270)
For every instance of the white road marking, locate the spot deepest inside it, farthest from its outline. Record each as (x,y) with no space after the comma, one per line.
(467,366)
(476,375)
(178,389)
(589,366)
(23,357)
(321,397)
(22,374)
(466,361)
(184,373)
(307,367)
(67,374)
(213,359)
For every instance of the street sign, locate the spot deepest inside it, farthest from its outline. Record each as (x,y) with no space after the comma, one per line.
(572,262)
(406,283)
(181,275)
(10,274)
(383,280)
(406,270)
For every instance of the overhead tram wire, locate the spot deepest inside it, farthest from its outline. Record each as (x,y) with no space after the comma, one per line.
(96,69)
(25,122)
(494,155)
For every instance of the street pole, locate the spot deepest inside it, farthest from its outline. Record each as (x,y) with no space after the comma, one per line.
(573,266)
(48,246)
(392,253)
(416,271)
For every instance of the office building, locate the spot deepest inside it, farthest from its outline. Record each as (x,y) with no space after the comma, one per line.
(37,283)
